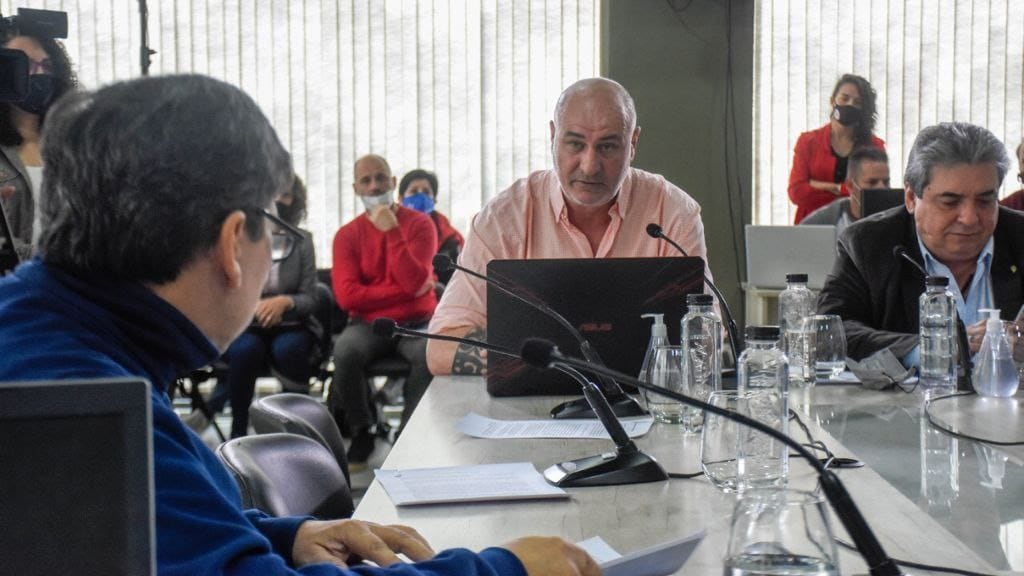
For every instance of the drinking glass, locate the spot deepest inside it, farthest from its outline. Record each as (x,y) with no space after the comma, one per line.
(719,440)
(1015,336)
(780,531)
(666,371)
(829,345)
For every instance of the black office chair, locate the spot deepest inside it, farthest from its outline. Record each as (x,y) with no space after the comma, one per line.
(288,475)
(303,415)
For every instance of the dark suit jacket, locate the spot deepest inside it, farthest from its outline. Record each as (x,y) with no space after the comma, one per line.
(876,293)
(297,278)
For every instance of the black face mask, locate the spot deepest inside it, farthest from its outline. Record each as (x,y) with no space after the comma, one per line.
(41,89)
(284,212)
(847,115)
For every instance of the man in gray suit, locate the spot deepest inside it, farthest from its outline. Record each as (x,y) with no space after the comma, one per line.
(868,169)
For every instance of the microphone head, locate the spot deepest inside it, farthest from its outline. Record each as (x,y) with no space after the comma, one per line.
(442,263)
(384,327)
(898,251)
(538,352)
(653,230)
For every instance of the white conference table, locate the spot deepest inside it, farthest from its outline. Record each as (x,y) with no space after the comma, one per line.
(636,516)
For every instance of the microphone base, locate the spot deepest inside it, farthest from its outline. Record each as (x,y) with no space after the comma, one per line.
(623,406)
(607,469)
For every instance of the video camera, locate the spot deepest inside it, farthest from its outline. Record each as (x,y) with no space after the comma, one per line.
(14,63)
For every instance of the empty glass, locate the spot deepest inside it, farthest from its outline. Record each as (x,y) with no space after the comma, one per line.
(666,371)
(719,441)
(829,345)
(782,532)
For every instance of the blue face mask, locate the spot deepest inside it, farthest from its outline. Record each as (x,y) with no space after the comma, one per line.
(419,201)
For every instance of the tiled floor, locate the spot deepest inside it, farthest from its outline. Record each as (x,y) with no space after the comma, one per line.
(361,476)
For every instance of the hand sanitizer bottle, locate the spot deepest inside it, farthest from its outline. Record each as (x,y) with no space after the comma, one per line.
(659,337)
(994,372)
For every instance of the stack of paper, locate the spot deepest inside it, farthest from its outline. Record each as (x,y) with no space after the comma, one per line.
(515,481)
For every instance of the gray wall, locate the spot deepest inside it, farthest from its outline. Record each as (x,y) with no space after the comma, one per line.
(671,56)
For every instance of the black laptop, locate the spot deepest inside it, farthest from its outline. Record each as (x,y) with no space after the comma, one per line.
(8,255)
(602,297)
(874,200)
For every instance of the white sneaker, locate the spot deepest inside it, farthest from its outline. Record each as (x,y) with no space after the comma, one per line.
(196,421)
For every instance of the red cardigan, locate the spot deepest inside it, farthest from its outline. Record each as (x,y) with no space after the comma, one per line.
(1015,200)
(813,160)
(377,274)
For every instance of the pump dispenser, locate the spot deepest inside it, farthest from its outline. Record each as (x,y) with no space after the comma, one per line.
(994,372)
(659,337)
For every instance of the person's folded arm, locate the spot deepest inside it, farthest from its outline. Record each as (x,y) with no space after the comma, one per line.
(413,248)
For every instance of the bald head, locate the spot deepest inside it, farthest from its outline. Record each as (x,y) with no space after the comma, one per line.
(603,94)
(372,176)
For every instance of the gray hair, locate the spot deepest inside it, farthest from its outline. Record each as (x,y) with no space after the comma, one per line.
(949,144)
(140,175)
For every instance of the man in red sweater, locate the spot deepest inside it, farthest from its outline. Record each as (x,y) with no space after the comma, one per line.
(382,269)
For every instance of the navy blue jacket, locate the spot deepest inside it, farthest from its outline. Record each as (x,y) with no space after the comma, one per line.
(56,326)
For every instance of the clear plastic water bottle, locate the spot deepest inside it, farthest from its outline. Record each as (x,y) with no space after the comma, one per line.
(994,372)
(764,378)
(702,343)
(938,336)
(797,303)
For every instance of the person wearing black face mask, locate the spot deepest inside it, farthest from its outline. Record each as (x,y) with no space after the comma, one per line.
(21,123)
(820,156)
(283,330)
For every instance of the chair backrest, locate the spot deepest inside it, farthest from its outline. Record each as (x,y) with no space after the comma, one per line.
(287,475)
(299,414)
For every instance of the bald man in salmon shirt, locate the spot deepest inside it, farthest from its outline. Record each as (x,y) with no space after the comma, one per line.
(593,204)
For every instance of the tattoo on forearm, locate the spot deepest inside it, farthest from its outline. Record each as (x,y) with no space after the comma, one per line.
(469,359)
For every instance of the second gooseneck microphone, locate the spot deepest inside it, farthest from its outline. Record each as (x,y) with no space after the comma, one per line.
(655,231)
(628,465)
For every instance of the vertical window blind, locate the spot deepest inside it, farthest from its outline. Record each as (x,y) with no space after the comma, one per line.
(928,61)
(464,88)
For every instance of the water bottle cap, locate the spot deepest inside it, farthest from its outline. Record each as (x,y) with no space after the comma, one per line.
(791,278)
(936,281)
(762,333)
(699,299)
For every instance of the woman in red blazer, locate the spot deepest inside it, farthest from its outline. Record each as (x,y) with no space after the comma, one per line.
(819,158)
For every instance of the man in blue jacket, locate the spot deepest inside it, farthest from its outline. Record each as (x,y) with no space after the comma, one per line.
(158,218)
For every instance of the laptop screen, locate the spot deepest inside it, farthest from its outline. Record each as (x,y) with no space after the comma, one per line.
(603,298)
(76,475)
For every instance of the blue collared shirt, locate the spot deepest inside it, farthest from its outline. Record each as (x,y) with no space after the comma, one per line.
(979,293)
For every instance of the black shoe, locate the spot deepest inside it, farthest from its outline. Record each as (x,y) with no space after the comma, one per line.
(362,447)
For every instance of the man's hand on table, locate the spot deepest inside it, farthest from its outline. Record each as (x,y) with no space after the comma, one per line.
(335,542)
(552,557)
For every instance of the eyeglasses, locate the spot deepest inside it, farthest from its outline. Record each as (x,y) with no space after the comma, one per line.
(283,239)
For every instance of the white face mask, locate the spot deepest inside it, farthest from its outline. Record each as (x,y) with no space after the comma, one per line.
(378,200)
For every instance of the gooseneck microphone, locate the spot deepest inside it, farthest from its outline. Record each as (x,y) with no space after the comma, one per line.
(901,252)
(542,353)
(622,403)
(655,231)
(966,367)
(628,465)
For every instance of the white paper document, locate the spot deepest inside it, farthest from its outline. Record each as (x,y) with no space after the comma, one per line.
(515,481)
(659,560)
(478,426)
